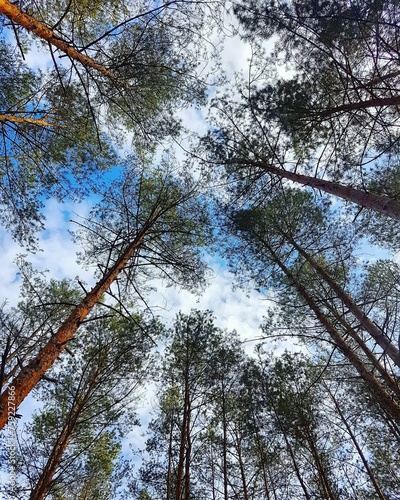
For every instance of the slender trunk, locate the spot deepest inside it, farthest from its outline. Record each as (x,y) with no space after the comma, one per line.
(386,377)
(370,473)
(381,204)
(371,103)
(188,456)
(182,447)
(42,486)
(224,443)
(242,468)
(260,449)
(327,492)
(383,341)
(31,24)
(171,430)
(25,119)
(379,393)
(291,453)
(30,375)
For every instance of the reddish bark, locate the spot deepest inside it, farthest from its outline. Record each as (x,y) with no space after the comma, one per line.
(382,204)
(379,393)
(25,119)
(30,375)
(41,30)
(383,341)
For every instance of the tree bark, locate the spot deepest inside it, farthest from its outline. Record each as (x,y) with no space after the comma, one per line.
(386,377)
(381,204)
(371,103)
(379,393)
(368,469)
(25,119)
(185,419)
(383,341)
(30,375)
(31,24)
(42,486)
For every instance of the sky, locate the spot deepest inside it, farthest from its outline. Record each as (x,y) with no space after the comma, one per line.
(234,309)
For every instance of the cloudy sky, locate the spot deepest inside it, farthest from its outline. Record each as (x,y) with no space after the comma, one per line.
(234,309)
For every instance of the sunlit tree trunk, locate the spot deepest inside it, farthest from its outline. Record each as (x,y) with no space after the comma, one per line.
(26,119)
(382,204)
(380,394)
(30,375)
(31,24)
(365,322)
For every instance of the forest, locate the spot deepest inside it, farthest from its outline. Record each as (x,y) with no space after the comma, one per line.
(174,142)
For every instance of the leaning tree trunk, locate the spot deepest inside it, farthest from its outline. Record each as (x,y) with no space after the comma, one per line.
(42,486)
(383,341)
(381,204)
(30,375)
(352,106)
(383,398)
(361,454)
(31,24)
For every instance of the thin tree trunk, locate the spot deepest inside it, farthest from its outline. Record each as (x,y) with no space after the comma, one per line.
(260,449)
(182,447)
(323,479)
(31,24)
(42,486)
(383,341)
(370,473)
(224,443)
(170,459)
(30,375)
(242,467)
(188,456)
(379,393)
(291,453)
(381,204)
(386,377)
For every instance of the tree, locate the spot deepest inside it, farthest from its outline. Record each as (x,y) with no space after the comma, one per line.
(343,94)
(89,403)
(146,221)
(275,236)
(287,122)
(50,147)
(120,71)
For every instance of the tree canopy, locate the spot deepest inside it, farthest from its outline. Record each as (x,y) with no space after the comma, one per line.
(291,194)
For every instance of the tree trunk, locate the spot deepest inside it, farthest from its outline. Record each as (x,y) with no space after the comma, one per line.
(383,341)
(184,430)
(42,486)
(323,480)
(379,393)
(380,204)
(30,375)
(224,443)
(291,453)
(371,103)
(370,473)
(25,119)
(386,377)
(242,467)
(31,24)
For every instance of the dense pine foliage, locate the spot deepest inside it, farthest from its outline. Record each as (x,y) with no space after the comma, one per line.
(297,175)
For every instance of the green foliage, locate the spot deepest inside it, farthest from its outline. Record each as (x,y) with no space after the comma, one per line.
(169,210)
